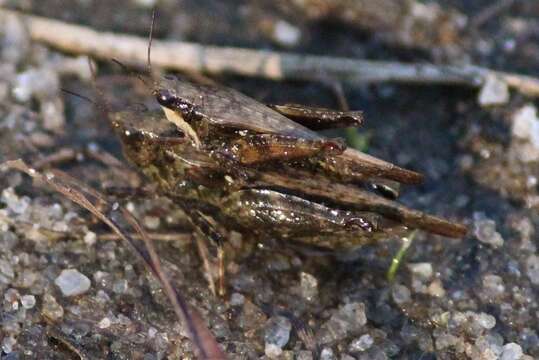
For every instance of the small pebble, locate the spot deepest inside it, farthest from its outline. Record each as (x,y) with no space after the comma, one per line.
(436,289)
(531,182)
(511,351)
(286,34)
(51,308)
(309,286)
(493,92)
(120,286)
(327,354)
(401,294)
(354,313)
(237,299)
(272,351)
(6,269)
(421,270)
(485,231)
(35,82)
(152,332)
(7,344)
(15,39)
(90,238)
(104,323)
(102,279)
(28,301)
(148,4)
(532,268)
(361,344)
(102,296)
(14,203)
(491,345)
(493,286)
(72,283)
(526,128)
(277,331)
(486,321)
(53,114)
(152,222)
(349,318)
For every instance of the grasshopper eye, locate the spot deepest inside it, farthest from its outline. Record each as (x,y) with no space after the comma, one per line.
(166,98)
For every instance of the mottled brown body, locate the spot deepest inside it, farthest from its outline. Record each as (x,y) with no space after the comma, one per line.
(254,170)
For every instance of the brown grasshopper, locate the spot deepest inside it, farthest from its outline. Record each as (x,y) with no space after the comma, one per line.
(226,158)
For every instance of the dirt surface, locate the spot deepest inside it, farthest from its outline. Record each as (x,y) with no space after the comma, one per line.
(470,298)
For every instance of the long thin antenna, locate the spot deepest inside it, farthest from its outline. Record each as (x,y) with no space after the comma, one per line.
(79,96)
(101,103)
(130,72)
(149,65)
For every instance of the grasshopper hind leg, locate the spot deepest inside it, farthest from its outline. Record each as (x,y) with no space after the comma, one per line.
(316,118)
(312,223)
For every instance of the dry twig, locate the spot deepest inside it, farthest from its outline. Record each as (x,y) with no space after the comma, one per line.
(193,57)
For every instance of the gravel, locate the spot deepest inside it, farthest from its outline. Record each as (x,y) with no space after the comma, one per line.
(526,129)
(532,268)
(511,351)
(494,92)
(361,344)
(347,320)
(72,283)
(422,270)
(277,331)
(309,286)
(401,294)
(485,231)
(286,34)
(28,301)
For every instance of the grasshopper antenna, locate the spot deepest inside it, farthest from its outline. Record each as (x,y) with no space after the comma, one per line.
(72,93)
(138,75)
(131,72)
(150,40)
(101,103)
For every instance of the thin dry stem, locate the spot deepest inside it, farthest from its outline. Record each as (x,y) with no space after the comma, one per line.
(206,262)
(193,57)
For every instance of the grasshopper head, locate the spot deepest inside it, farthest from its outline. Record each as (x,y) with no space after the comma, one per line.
(140,133)
(169,99)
